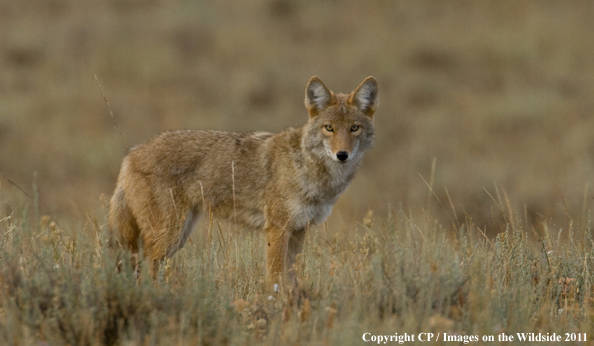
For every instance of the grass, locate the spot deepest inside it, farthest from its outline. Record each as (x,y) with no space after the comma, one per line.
(398,275)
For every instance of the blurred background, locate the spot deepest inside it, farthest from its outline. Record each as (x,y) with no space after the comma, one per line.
(489,102)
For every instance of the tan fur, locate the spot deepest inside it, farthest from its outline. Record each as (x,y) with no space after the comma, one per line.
(281,182)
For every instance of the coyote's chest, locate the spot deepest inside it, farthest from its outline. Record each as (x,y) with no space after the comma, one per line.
(304,215)
(315,203)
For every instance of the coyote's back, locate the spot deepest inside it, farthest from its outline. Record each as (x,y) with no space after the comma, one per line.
(281,182)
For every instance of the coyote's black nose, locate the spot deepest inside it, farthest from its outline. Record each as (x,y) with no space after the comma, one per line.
(342,155)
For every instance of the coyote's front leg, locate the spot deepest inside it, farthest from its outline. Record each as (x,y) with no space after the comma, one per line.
(276,252)
(282,247)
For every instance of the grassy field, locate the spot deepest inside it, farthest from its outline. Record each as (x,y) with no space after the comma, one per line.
(471,216)
(394,276)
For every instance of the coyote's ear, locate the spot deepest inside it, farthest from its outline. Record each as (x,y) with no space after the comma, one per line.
(317,96)
(365,96)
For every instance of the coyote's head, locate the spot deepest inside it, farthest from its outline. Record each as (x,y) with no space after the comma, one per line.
(340,126)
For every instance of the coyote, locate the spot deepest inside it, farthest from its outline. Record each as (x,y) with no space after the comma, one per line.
(281,182)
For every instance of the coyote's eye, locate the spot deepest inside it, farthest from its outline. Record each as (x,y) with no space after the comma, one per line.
(329,128)
(354,128)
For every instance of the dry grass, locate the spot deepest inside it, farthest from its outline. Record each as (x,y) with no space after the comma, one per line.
(394,276)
